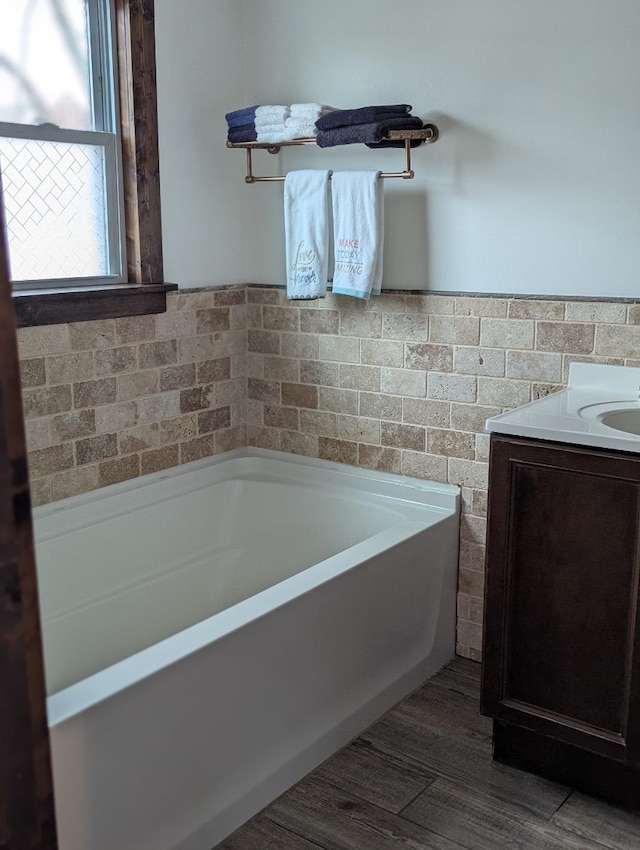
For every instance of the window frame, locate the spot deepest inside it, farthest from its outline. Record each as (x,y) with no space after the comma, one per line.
(103,135)
(145,290)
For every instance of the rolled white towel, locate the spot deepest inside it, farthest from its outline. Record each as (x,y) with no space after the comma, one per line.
(302,110)
(270,115)
(299,128)
(272,127)
(272,137)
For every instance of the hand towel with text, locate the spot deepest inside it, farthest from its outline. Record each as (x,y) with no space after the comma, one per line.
(358,226)
(306,227)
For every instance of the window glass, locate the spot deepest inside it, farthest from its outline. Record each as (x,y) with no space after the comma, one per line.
(55,211)
(60,158)
(44,63)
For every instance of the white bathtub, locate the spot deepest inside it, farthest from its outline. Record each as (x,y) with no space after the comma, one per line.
(215,631)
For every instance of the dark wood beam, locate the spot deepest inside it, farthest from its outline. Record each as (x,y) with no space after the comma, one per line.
(138,116)
(27,818)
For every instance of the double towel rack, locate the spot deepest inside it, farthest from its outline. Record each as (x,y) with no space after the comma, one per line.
(427,134)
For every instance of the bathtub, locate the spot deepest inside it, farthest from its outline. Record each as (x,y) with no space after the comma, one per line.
(213,632)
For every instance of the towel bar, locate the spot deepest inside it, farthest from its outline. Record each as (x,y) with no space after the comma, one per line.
(428,133)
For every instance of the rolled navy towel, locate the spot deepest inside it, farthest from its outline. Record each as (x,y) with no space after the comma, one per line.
(239,117)
(362,115)
(381,117)
(244,133)
(371,133)
(395,143)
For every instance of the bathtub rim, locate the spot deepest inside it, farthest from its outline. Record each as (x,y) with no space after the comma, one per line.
(447,496)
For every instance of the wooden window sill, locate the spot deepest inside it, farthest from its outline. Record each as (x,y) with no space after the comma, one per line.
(56,306)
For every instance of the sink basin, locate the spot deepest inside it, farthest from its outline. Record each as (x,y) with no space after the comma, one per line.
(623,420)
(621,416)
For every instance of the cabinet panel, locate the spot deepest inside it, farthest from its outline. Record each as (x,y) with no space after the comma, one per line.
(569,617)
(561,661)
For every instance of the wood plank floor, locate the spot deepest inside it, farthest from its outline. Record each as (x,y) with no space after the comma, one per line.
(422,778)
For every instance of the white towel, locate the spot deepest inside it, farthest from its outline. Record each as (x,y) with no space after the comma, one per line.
(271,133)
(305,110)
(300,128)
(306,214)
(271,137)
(266,115)
(358,226)
(273,127)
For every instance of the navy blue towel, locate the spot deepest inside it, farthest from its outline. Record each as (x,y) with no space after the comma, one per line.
(399,143)
(244,133)
(241,116)
(371,133)
(362,115)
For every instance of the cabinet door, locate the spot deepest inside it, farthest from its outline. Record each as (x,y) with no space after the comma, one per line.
(562,642)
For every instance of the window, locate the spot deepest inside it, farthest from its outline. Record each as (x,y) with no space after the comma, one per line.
(59,142)
(131,31)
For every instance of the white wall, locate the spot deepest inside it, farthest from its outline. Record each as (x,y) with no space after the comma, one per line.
(200,77)
(533,187)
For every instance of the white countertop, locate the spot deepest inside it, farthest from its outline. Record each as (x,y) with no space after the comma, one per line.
(569,416)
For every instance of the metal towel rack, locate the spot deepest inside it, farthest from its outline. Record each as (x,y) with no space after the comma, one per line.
(428,134)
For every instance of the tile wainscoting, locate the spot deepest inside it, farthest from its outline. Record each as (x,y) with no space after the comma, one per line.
(109,400)
(402,383)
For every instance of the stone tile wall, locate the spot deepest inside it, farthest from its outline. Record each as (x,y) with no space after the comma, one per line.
(402,383)
(109,400)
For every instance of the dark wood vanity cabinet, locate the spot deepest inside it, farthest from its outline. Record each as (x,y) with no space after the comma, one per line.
(561,660)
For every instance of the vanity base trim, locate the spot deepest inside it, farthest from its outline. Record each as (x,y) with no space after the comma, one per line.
(558,761)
